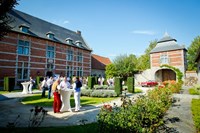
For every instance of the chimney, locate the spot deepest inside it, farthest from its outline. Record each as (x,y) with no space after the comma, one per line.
(78,32)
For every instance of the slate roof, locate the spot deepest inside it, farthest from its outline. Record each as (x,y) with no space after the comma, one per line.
(99,62)
(167,43)
(40,28)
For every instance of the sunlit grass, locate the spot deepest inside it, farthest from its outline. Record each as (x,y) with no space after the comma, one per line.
(37,100)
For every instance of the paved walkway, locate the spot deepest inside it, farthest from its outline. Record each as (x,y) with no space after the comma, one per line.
(178,118)
(11,107)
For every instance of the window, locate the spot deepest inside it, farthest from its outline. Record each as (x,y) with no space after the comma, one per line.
(79,71)
(79,43)
(24,28)
(69,71)
(22,71)
(50,35)
(164,59)
(23,47)
(69,41)
(50,66)
(79,57)
(69,55)
(50,52)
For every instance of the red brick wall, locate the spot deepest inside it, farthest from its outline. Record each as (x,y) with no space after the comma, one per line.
(175,58)
(37,58)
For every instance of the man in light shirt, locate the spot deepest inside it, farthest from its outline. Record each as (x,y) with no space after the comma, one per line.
(49,85)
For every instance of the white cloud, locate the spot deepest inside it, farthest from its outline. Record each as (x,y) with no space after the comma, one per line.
(66,22)
(144,32)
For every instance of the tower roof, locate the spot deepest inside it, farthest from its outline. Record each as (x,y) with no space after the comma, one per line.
(167,43)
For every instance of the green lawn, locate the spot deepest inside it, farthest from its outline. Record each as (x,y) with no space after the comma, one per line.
(44,102)
(196,113)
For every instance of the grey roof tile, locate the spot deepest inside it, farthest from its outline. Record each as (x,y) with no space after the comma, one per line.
(39,28)
(167,43)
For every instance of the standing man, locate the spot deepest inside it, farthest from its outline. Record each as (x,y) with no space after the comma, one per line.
(77,92)
(49,85)
(56,94)
(44,86)
(31,85)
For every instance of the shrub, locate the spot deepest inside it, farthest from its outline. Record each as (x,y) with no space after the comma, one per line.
(196,113)
(172,85)
(86,92)
(143,115)
(91,82)
(97,87)
(118,86)
(193,91)
(98,93)
(130,84)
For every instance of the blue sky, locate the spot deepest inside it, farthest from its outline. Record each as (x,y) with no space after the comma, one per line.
(117,27)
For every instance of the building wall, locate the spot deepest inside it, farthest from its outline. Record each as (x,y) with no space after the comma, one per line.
(98,72)
(36,61)
(176,58)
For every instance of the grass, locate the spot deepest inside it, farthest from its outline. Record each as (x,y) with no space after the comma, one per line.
(137,90)
(196,113)
(36,99)
(194,91)
(6,92)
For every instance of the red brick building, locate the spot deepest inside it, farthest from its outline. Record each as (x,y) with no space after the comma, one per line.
(36,47)
(99,65)
(167,51)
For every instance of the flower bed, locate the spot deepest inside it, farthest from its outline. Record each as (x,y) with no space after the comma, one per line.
(142,115)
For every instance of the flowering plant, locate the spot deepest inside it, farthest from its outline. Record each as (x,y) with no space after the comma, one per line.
(37,116)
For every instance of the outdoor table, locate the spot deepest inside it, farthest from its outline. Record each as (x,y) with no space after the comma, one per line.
(65,98)
(25,87)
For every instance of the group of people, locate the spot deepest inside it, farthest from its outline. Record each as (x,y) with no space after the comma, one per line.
(56,85)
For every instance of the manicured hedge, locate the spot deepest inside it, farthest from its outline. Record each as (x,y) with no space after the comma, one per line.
(130,84)
(91,82)
(9,83)
(118,86)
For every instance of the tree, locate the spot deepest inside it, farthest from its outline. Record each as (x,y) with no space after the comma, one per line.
(192,53)
(110,70)
(144,60)
(125,65)
(5,20)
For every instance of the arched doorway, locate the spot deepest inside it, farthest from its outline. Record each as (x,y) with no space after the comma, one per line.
(164,75)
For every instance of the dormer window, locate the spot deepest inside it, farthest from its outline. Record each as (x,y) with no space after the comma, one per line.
(24,28)
(50,35)
(69,41)
(79,43)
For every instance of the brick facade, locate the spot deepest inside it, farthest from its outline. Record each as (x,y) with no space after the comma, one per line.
(32,52)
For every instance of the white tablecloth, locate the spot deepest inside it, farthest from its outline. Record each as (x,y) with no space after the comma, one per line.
(65,98)
(25,87)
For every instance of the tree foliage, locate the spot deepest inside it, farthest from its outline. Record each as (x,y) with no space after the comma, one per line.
(192,53)
(5,20)
(125,65)
(144,60)
(110,70)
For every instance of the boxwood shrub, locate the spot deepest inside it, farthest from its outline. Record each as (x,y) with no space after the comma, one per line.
(130,84)
(118,85)
(98,93)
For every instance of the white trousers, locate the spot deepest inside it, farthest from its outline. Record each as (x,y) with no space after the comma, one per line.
(77,100)
(30,88)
